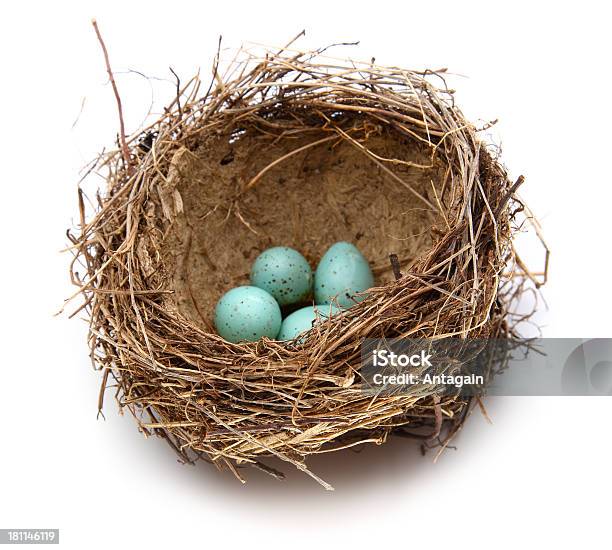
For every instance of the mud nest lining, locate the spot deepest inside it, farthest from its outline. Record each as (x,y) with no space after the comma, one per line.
(300,150)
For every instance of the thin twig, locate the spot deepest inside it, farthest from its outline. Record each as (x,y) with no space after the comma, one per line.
(124,147)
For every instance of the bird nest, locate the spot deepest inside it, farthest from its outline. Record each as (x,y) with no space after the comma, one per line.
(300,150)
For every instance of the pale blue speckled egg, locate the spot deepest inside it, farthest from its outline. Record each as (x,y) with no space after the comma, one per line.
(341,273)
(246,313)
(284,273)
(302,320)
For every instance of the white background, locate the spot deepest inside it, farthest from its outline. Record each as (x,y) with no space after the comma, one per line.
(538,475)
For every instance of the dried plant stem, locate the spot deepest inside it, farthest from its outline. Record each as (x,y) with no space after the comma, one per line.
(123,142)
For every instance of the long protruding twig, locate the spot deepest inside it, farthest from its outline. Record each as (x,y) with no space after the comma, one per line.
(124,148)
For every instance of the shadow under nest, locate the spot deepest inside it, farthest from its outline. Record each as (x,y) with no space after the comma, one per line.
(297,150)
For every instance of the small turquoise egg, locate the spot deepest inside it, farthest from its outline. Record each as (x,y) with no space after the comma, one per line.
(302,320)
(284,273)
(246,313)
(341,273)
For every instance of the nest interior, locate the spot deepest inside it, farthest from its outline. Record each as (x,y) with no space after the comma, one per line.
(236,203)
(301,150)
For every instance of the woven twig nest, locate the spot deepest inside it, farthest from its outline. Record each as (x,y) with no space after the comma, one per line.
(303,151)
